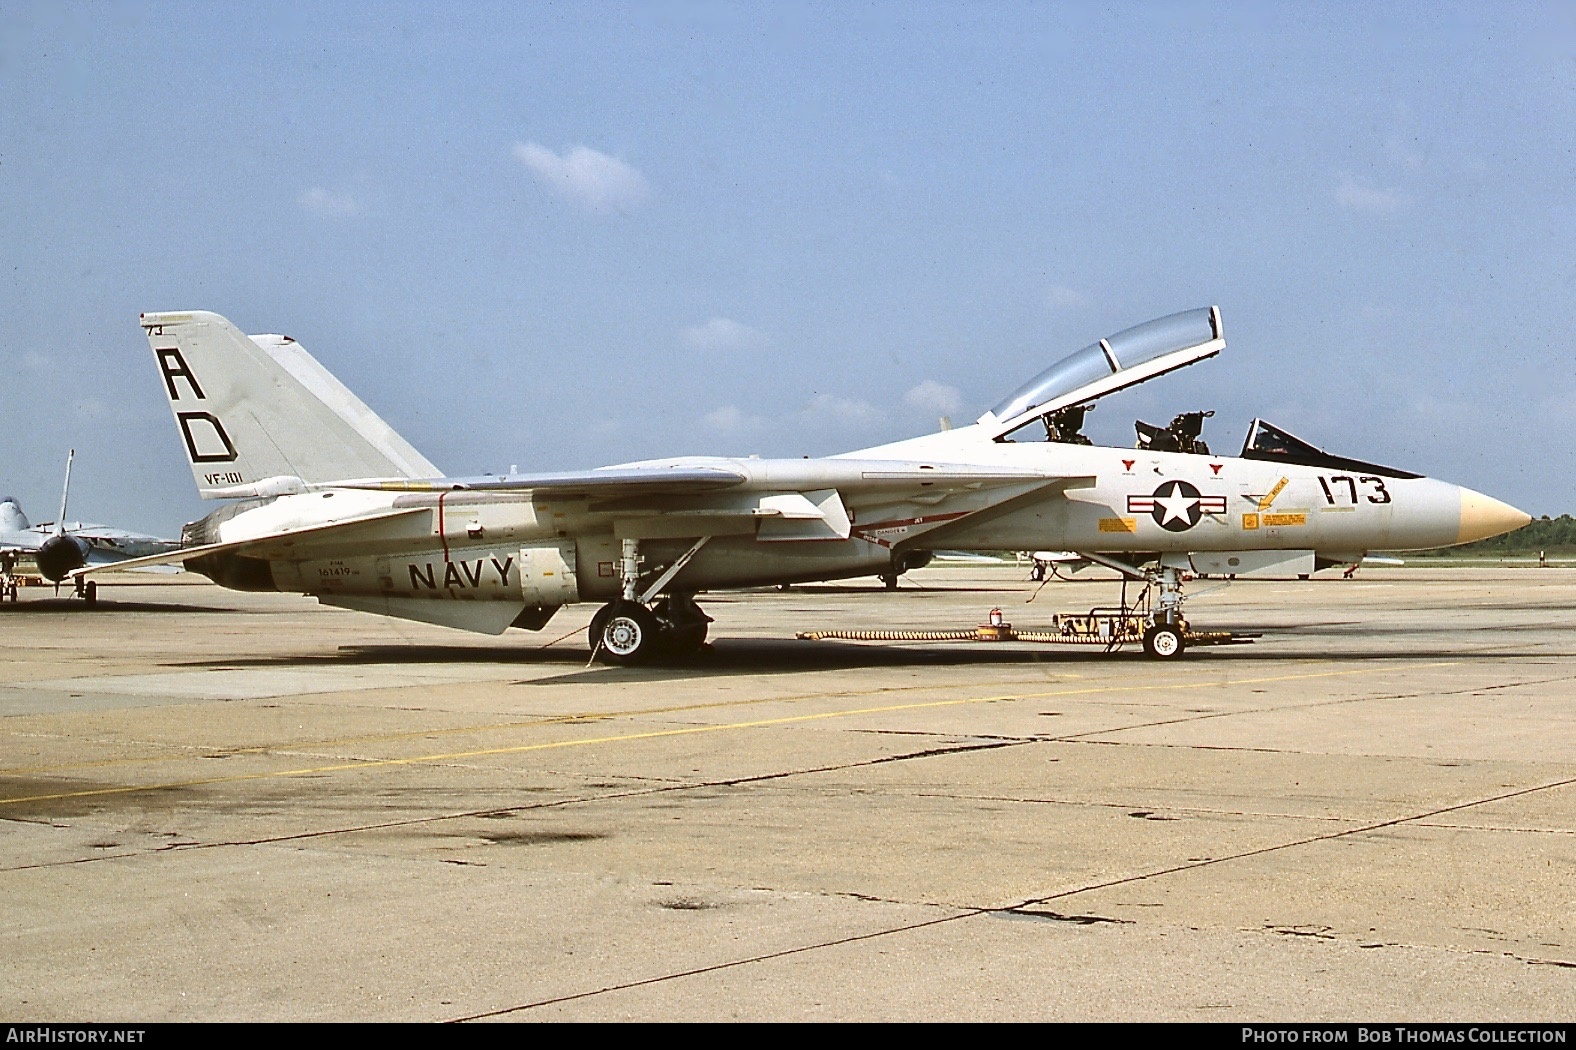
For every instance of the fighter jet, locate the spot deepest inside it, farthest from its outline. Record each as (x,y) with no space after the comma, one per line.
(324,498)
(59,547)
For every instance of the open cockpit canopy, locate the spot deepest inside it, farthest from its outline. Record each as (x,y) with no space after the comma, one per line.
(1115,363)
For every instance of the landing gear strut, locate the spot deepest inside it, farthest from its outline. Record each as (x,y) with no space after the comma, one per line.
(634,629)
(7,577)
(1167,634)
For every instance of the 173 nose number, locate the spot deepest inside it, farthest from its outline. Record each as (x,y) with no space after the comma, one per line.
(1343,489)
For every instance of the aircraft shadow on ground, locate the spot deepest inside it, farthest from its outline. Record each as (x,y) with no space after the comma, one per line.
(738,657)
(78,607)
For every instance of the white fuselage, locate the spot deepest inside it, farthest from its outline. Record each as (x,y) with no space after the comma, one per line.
(470,546)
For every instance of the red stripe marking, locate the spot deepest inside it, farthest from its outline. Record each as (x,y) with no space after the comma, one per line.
(443,533)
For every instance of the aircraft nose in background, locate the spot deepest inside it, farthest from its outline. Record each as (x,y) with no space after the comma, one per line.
(1484,516)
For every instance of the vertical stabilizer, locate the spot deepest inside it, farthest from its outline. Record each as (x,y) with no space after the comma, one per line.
(65,495)
(250,409)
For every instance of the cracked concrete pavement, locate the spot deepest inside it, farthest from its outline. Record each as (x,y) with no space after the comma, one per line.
(248,807)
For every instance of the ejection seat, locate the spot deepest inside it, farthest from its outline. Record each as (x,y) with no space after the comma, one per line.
(1182,435)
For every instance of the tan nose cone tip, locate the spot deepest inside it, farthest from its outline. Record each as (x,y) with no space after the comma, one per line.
(1484,516)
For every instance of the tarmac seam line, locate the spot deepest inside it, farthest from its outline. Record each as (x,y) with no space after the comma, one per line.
(691,730)
(1310,840)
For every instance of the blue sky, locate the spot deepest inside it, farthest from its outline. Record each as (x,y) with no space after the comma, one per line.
(563,235)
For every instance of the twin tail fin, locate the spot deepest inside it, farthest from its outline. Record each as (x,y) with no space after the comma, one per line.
(258,415)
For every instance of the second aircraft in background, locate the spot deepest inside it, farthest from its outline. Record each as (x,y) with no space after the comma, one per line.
(58,548)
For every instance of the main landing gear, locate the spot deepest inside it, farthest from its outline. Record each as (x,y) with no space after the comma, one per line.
(82,588)
(634,629)
(8,579)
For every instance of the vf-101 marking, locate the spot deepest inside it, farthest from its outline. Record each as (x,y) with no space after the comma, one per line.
(328,500)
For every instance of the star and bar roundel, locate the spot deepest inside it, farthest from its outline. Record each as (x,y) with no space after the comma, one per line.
(1176,506)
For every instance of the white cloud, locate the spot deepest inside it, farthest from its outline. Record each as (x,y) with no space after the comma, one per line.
(935,398)
(1371,200)
(593,180)
(1060,297)
(842,411)
(328,203)
(722,335)
(728,419)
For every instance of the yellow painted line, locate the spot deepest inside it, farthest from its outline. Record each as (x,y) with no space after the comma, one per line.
(657,734)
(187,751)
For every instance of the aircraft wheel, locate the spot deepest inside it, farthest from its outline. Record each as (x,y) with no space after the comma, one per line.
(684,641)
(90,592)
(1163,642)
(682,624)
(629,633)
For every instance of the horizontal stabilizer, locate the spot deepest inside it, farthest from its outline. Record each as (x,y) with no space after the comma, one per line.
(255,546)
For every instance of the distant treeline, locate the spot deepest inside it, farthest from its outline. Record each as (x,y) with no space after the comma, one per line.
(1545,534)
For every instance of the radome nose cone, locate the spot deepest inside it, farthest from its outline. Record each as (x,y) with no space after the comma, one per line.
(1484,516)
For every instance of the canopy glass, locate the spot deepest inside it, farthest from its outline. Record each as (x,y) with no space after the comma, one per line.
(1124,351)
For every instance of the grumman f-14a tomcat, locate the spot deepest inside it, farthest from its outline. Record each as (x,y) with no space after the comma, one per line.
(60,547)
(324,498)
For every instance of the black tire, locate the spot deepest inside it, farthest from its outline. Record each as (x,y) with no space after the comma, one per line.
(684,641)
(629,634)
(1163,642)
(90,592)
(598,623)
(683,625)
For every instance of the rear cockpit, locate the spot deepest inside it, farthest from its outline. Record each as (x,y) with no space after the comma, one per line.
(1183,434)
(1053,405)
